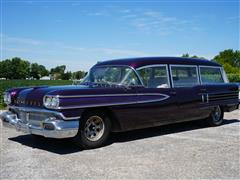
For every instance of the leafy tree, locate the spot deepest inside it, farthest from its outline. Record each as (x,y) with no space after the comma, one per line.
(59,69)
(38,71)
(230,60)
(78,74)
(43,71)
(5,69)
(67,75)
(20,69)
(186,55)
(194,56)
(35,71)
(58,72)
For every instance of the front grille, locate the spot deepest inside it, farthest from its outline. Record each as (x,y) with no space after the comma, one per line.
(222,96)
(23,116)
(32,103)
(35,119)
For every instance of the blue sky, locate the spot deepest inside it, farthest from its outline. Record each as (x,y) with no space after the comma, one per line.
(80,33)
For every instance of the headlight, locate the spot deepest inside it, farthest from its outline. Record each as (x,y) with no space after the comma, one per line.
(7,98)
(51,102)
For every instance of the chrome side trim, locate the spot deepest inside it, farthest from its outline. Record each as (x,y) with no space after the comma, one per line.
(124,103)
(108,95)
(34,110)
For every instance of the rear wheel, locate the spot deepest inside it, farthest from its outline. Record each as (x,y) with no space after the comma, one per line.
(216,117)
(94,130)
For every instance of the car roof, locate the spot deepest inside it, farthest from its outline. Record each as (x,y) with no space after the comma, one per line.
(145,61)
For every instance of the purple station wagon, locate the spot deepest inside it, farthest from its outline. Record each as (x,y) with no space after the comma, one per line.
(121,95)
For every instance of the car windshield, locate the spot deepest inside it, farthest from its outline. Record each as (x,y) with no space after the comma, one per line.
(112,75)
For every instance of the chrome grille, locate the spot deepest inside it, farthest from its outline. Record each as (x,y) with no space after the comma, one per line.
(222,96)
(37,117)
(23,116)
(31,118)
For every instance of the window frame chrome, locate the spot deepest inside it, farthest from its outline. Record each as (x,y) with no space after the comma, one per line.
(152,66)
(213,67)
(183,65)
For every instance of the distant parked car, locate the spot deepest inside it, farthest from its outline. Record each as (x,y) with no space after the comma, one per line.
(121,95)
(45,78)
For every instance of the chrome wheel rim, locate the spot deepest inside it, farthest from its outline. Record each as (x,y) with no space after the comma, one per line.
(94,128)
(216,114)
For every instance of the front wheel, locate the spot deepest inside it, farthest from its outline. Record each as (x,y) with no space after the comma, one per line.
(216,117)
(94,130)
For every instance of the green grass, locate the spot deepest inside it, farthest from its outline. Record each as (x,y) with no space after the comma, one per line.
(7,84)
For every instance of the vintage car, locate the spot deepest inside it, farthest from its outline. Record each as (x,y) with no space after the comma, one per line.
(121,95)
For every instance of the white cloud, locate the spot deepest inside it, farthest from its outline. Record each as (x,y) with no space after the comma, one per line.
(48,52)
(121,52)
(28,41)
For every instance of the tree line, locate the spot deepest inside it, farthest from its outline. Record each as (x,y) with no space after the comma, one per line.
(17,68)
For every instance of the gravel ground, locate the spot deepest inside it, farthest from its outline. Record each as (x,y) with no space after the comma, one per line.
(184,151)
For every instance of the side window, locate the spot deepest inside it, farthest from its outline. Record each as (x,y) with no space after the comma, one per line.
(184,76)
(154,77)
(211,75)
(130,78)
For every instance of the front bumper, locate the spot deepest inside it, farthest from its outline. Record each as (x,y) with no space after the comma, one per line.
(48,127)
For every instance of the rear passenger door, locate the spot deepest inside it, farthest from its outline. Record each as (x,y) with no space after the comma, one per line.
(156,85)
(186,85)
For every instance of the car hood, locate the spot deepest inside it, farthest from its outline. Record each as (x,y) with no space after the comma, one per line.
(34,96)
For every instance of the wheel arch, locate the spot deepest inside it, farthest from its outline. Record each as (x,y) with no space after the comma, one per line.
(116,126)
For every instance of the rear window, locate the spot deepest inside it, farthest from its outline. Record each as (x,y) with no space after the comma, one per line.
(184,76)
(211,75)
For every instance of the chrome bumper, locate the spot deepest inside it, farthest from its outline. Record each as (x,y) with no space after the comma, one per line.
(50,127)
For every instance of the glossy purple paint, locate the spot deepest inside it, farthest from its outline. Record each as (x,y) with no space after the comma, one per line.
(135,107)
(144,61)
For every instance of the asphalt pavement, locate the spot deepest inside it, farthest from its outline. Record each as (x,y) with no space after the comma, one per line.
(181,151)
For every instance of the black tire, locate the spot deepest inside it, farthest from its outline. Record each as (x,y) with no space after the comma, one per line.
(216,117)
(90,137)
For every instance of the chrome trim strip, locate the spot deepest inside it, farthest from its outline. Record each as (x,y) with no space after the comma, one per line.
(44,111)
(107,95)
(223,92)
(117,104)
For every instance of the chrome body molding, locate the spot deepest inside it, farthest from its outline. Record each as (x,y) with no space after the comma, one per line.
(158,99)
(43,111)
(109,95)
(51,128)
